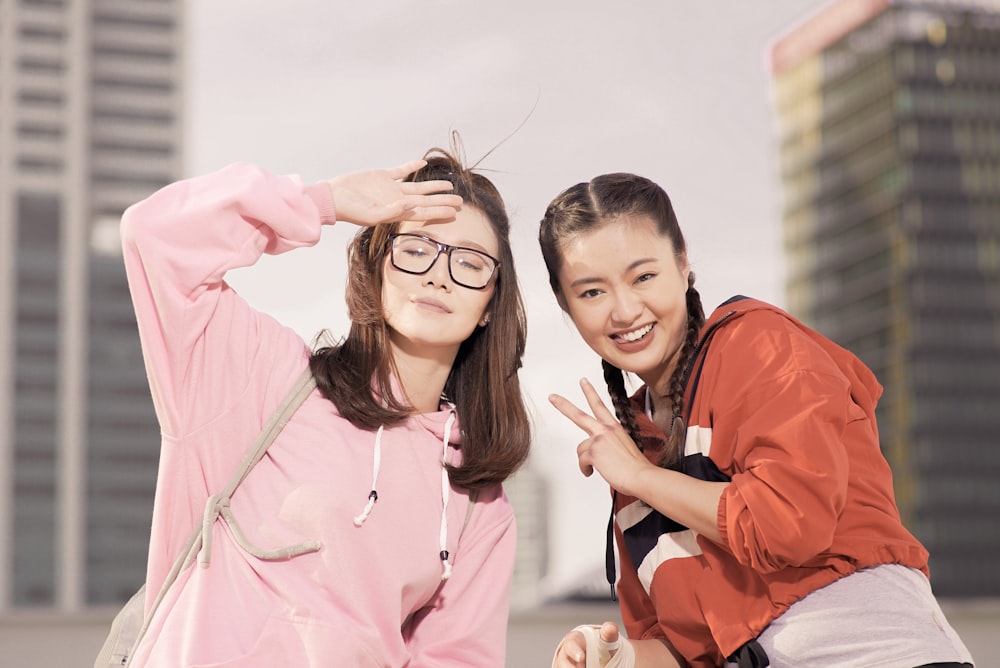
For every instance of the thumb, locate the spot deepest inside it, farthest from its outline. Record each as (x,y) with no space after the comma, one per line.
(610,641)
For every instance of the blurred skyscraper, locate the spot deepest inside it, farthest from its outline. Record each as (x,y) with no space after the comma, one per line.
(889,118)
(528,493)
(90,121)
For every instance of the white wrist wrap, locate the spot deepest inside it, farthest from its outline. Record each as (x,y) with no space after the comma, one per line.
(599,651)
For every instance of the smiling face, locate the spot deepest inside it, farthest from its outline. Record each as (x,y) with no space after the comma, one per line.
(624,287)
(429,315)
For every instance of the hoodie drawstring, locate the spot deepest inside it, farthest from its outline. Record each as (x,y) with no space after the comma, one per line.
(445,494)
(373,495)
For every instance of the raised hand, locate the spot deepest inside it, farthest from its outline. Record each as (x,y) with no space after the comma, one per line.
(607,448)
(380,196)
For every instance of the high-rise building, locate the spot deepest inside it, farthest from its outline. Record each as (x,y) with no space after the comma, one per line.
(90,122)
(889,121)
(528,493)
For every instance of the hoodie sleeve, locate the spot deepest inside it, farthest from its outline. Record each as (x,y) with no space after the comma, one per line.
(199,339)
(784,435)
(467,624)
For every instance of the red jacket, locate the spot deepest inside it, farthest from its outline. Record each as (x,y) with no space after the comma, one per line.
(788,417)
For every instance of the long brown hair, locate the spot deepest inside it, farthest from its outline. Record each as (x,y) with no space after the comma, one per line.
(604,201)
(483,383)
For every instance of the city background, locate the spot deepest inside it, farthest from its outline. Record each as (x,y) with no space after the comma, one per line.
(839,159)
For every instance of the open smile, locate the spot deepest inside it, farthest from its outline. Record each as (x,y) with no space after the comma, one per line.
(634,335)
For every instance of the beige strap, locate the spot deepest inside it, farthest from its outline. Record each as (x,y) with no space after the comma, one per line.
(218,504)
(302,388)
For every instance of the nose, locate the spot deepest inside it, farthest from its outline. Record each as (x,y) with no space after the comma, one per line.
(626,309)
(438,274)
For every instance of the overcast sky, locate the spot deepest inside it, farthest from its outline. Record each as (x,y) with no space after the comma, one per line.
(675,91)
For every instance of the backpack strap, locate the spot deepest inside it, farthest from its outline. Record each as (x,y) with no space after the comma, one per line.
(699,358)
(302,388)
(218,504)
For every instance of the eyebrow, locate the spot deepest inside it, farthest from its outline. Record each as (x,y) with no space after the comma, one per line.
(586,280)
(462,243)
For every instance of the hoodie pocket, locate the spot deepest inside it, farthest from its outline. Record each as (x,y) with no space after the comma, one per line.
(307,643)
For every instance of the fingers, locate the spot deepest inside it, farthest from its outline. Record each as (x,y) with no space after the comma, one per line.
(597,405)
(587,422)
(425,214)
(572,651)
(424,208)
(418,187)
(407,168)
(426,187)
(577,416)
(576,646)
(610,636)
(439,201)
(584,422)
(586,469)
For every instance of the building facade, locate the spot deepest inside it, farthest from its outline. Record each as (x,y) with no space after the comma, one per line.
(889,123)
(90,121)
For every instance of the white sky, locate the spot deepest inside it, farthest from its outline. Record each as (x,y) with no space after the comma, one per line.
(675,91)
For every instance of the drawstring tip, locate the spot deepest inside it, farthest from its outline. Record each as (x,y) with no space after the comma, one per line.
(446,567)
(372,498)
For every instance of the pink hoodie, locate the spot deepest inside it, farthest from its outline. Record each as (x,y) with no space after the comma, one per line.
(374,594)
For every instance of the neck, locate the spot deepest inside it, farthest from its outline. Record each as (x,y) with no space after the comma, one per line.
(659,402)
(658,385)
(422,377)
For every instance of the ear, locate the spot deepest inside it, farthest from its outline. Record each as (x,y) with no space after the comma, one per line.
(685,268)
(485,320)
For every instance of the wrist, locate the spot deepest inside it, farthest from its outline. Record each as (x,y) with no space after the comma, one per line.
(644,481)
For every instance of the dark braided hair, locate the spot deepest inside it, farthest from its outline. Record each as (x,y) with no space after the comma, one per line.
(586,207)
(615,378)
(673,452)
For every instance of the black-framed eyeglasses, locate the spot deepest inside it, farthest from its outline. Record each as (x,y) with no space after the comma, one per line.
(416,254)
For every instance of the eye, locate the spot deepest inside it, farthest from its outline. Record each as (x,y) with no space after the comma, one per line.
(590,294)
(416,247)
(470,262)
(648,276)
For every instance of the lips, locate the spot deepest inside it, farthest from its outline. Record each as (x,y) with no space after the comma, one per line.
(633,335)
(432,304)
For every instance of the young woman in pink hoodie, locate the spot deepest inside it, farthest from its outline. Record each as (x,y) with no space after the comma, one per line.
(416,409)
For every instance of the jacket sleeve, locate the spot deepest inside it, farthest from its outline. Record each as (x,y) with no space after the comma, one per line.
(467,623)
(198,337)
(783,435)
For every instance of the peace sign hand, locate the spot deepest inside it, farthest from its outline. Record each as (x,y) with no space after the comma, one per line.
(608,447)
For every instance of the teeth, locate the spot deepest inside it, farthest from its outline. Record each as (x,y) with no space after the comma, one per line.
(629,337)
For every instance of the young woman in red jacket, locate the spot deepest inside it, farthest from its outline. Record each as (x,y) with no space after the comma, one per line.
(754,513)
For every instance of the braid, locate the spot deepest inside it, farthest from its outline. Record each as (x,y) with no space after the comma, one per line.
(674,450)
(615,379)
